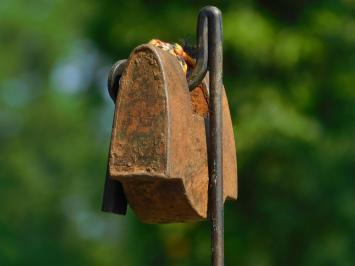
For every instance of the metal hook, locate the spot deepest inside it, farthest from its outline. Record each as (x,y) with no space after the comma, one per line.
(210,58)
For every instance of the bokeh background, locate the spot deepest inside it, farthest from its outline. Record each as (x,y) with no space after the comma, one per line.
(290,79)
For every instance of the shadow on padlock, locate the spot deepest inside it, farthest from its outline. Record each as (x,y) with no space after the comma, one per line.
(159,151)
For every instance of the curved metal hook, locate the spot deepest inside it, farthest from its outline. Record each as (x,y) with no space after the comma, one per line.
(200,69)
(210,57)
(209,35)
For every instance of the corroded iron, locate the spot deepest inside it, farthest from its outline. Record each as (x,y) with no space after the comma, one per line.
(159,143)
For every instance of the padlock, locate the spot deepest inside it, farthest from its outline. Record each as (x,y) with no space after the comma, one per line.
(159,143)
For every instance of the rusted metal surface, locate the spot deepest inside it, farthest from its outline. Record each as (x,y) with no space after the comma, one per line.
(159,145)
(139,143)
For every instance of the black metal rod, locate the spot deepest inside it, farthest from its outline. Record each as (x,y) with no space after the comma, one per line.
(215,66)
(210,57)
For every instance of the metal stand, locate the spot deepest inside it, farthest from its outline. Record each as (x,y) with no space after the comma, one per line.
(210,57)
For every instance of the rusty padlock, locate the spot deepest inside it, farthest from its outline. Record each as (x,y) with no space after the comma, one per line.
(159,147)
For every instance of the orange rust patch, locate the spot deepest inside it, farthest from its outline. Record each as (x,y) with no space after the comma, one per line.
(199,100)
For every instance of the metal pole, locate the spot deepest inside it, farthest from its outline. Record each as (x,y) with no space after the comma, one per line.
(209,31)
(215,66)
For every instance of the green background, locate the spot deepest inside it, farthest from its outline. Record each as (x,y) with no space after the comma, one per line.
(290,77)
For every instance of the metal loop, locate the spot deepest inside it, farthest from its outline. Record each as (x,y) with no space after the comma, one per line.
(114,77)
(209,18)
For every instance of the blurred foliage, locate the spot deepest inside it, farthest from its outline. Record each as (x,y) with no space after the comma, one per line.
(289,74)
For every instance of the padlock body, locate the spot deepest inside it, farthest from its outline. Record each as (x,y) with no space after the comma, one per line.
(159,142)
